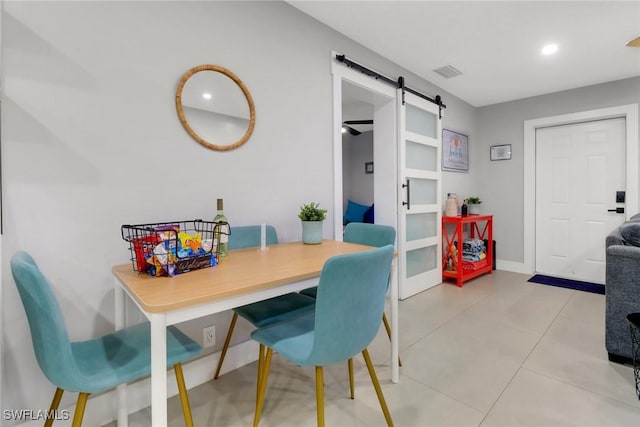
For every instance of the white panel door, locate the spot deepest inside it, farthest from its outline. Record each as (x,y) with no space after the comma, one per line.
(579,169)
(419,180)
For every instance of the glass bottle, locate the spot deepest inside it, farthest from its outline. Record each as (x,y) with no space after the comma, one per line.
(464,208)
(223,244)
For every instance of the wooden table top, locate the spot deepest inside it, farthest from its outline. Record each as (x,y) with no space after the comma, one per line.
(243,271)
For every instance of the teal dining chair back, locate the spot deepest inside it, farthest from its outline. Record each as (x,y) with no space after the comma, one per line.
(49,335)
(93,365)
(376,235)
(348,311)
(265,312)
(248,236)
(349,305)
(369,234)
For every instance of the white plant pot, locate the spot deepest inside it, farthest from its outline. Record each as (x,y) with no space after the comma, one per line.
(312,232)
(474,209)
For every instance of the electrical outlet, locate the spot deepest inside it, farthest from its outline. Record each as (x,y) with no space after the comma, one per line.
(209,336)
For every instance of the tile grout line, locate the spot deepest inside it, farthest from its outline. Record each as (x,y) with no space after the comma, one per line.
(448,320)
(526,358)
(564,381)
(461,313)
(560,380)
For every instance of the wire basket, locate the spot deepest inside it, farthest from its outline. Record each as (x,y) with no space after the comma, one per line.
(170,248)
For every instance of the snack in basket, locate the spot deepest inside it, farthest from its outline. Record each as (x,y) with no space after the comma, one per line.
(143,248)
(189,244)
(162,261)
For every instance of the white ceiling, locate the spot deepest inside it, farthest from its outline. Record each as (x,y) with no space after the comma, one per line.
(495,44)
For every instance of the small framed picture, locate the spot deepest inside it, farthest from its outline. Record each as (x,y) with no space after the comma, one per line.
(368,167)
(501,152)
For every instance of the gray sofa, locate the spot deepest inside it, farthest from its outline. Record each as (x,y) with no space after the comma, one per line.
(622,287)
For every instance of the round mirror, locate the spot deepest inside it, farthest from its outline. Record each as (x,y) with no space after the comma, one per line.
(215,107)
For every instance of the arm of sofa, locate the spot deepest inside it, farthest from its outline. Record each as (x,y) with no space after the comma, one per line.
(622,297)
(614,238)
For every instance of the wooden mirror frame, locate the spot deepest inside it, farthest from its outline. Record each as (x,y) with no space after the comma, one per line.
(245,91)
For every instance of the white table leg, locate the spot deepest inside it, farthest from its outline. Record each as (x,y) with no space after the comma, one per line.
(158,369)
(395,346)
(120,323)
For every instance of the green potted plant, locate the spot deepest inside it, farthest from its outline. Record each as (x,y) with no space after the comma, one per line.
(474,205)
(312,217)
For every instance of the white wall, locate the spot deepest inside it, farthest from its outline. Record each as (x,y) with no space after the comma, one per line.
(500,184)
(92,141)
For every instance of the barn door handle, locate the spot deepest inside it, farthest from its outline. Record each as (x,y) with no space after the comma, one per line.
(616,210)
(408,187)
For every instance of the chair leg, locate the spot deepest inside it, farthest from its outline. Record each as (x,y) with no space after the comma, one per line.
(376,385)
(184,397)
(80,405)
(320,396)
(352,387)
(388,328)
(225,347)
(260,368)
(262,381)
(57,397)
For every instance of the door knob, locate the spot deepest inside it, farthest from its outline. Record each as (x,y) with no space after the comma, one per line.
(616,210)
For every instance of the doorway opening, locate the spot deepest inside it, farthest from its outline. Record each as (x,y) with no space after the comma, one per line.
(358,164)
(358,97)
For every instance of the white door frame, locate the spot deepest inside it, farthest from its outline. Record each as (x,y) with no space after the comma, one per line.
(629,112)
(342,73)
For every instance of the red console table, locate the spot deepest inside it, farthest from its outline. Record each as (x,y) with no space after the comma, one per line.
(453,266)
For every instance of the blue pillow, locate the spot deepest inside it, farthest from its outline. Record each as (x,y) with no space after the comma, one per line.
(368,215)
(355,212)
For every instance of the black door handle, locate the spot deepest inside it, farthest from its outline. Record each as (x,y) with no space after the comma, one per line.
(408,187)
(616,210)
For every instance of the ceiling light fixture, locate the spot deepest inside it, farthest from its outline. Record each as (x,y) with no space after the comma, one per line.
(206,95)
(550,49)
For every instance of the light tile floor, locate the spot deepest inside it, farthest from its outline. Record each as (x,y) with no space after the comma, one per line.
(499,352)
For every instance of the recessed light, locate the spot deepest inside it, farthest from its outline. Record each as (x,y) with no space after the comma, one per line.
(206,95)
(550,49)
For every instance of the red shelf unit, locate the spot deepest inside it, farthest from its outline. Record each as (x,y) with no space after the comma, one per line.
(479,225)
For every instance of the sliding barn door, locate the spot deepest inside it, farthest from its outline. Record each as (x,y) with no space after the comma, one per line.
(419,180)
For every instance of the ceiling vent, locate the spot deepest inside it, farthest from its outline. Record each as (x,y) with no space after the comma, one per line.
(448,71)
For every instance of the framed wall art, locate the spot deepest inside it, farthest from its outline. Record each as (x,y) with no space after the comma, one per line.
(455,151)
(500,152)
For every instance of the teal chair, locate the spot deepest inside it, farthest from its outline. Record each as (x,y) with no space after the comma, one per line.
(349,305)
(94,365)
(265,312)
(371,235)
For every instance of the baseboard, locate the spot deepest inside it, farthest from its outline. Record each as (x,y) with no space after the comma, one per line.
(103,408)
(514,267)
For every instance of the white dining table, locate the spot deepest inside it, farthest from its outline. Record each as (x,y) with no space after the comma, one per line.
(245,276)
